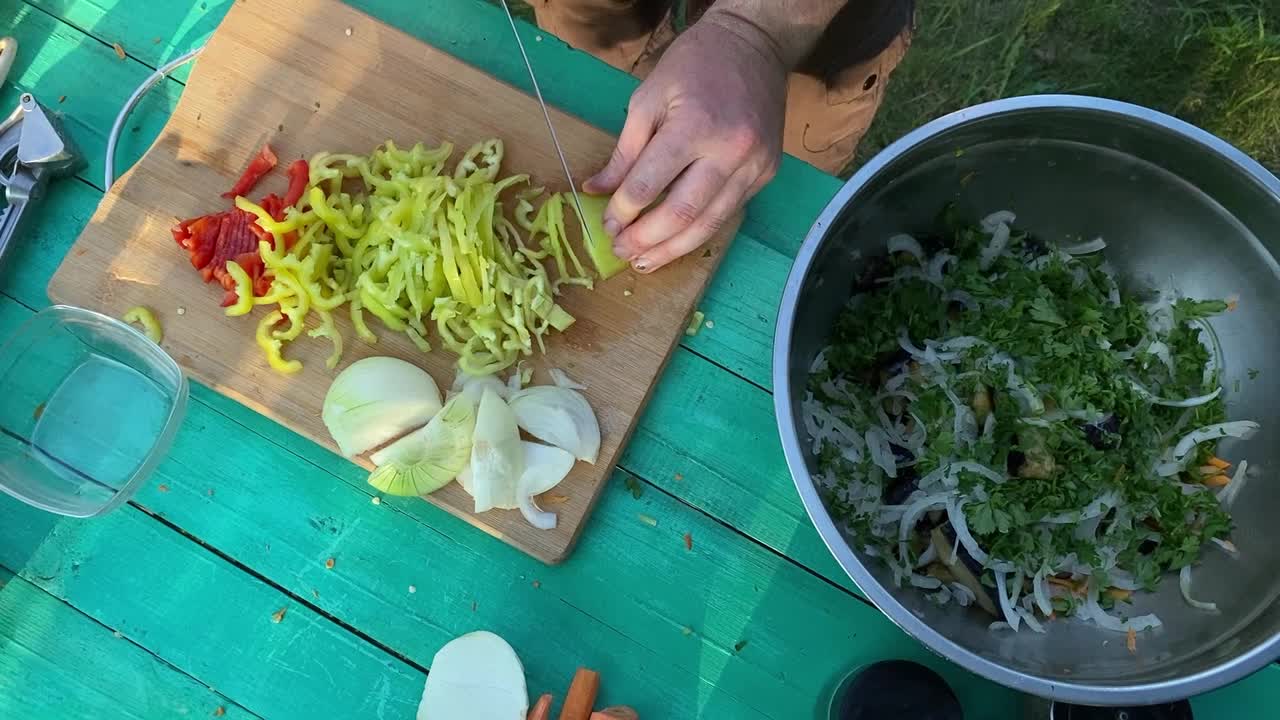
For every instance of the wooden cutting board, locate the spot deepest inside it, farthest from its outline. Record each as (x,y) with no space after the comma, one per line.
(314,75)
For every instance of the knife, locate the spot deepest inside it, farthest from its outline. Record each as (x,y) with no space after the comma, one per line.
(551,128)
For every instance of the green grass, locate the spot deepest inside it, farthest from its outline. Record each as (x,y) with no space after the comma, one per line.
(1214,63)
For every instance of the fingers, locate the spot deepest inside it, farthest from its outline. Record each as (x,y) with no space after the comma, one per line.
(711,221)
(636,133)
(662,160)
(696,187)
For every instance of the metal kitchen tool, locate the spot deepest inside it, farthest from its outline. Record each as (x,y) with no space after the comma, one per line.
(33,151)
(551,128)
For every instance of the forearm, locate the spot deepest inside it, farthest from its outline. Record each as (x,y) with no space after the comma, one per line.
(791,29)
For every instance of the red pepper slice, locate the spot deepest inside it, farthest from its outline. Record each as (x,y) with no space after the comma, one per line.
(299,174)
(262,163)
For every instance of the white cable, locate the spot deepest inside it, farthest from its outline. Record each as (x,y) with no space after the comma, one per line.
(160,74)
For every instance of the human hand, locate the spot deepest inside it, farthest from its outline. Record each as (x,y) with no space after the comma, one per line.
(705,128)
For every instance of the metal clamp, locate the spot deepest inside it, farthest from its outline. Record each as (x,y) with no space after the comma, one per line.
(33,151)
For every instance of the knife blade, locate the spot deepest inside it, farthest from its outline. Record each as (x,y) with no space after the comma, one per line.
(551,128)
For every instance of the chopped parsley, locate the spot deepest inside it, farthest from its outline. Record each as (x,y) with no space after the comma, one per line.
(1034,367)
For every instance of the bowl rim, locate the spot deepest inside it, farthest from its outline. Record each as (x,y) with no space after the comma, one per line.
(1146,693)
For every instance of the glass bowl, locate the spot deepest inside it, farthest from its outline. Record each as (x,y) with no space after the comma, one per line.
(88,408)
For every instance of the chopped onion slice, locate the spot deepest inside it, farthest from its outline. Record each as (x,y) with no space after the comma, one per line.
(907,244)
(1039,587)
(429,458)
(936,265)
(996,219)
(995,247)
(544,468)
(559,377)
(912,515)
(375,400)
(1086,248)
(1096,509)
(1184,584)
(1091,610)
(1229,493)
(475,385)
(1177,457)
(1006,605)
(955,513)
(562,417)
(1178,403)
(497,459)
(881,452)
(924,581)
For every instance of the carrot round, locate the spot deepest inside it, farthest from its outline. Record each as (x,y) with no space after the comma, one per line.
(541,710)
(581,696)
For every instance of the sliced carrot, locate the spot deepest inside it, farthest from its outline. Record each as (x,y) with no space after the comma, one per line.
(541,710)
(1132,641)
(1118,594)
(1217,481)
(1219,463)
(581,696)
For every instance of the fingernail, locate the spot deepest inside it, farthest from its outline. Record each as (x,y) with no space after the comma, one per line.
(620,251)
(613,227)
(641,265)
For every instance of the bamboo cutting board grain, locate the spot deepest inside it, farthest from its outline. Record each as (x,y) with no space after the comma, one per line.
(314,75)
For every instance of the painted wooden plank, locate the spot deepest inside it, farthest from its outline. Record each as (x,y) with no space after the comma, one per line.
(205,617)
(55,662)
(710,439)
(283,519)
(153,33)
(603,608)
(55,61)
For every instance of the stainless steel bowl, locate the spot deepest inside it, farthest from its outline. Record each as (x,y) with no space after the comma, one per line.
(1171,200)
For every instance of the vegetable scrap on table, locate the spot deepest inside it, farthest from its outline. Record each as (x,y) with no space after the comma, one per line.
(1004,426)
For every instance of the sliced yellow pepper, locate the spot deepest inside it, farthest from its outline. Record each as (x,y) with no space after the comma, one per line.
(272,346)
(244,290)
(143,316)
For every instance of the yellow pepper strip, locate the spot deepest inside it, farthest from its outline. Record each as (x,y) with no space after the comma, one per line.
(143,316)
(244,290)
(328,330)
(357,321)
(329,215)
(295,306)
(271,346)
(599,244)
(269,224)
(418,340)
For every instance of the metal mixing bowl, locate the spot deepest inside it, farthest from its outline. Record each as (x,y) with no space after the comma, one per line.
(1171,200)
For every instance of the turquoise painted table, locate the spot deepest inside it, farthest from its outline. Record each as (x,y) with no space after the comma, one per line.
(165,607)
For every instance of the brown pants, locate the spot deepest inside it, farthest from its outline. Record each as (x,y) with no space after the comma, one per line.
(831,99)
